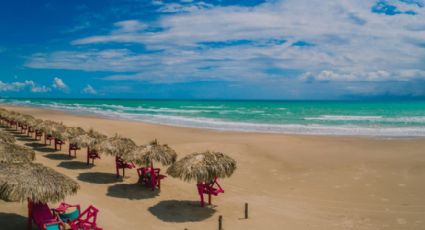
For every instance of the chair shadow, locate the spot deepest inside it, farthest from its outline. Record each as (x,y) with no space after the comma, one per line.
(181,211)
(99,178)
(10,221)
(131,191)
(57,156)
(75,165)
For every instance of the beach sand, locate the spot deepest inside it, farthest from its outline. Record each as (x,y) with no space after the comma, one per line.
(290,181)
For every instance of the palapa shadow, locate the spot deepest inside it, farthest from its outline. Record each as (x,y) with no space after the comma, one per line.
(57,156)
(25,138)
(131,191)
(181,211)
(41,147)
(99,178)
(74,165)
(11,221)
(35,145)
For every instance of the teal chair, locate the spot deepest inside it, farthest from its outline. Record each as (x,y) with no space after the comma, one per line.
(71,216)
(53,226)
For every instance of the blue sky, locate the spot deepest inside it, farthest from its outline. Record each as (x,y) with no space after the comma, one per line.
(251,49)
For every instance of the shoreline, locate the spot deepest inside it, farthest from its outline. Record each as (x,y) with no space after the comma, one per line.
(301,182)
(88,114)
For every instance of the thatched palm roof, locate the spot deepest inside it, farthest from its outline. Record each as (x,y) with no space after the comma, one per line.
(34,123)
(13,153)
(203,167)
(73,132)
(39,183)
(24,118)
(46,126)
(6,137)
(118,146)
(59,131)
(155,152)
(91,139)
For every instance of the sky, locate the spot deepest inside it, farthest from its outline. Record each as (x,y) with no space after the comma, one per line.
(213,49)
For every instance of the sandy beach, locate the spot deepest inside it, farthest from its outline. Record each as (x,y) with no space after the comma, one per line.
(290,181)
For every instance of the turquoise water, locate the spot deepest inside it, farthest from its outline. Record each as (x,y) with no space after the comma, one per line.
(401,119)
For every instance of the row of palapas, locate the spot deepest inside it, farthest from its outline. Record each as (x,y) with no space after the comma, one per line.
(200,167)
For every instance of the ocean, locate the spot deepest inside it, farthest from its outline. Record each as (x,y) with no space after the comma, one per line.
(343,118)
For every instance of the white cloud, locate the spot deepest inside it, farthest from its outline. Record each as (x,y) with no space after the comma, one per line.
(374,76)
(20,86)
(350,43)
(89,90)
(59,84)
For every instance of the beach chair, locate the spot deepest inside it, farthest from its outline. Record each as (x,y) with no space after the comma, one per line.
(30,131)
(146,177)
(48,137)
(76,219)
(23,127)
(212,188)
(92,154)
(121,164)
(73,147)
(38,134)
(43,217)
(58,142)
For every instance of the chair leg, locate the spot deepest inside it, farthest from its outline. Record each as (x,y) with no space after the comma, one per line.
(209,199)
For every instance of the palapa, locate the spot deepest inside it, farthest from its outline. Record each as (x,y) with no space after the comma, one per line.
(92,139)
(155,152)
(13,153)
(118,146)
(21,181)
(6,137)
(203,167)
(73,132)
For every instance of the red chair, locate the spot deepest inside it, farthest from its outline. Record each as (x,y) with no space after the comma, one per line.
(92,154)
(43,217)
(48,137)
(148,178)
(73,147)
(38,134)
(30,131)
(212,188)
(121,164)
(77,220)
(58,142)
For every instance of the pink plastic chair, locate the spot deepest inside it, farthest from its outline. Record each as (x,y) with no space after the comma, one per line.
(58,142)
(92,154)
(77,220)
(121,164)
(148,178)
(43,217)
(212,188)
(73,147)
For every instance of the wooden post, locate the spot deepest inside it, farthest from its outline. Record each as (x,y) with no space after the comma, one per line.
(220,222)
(246,210)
